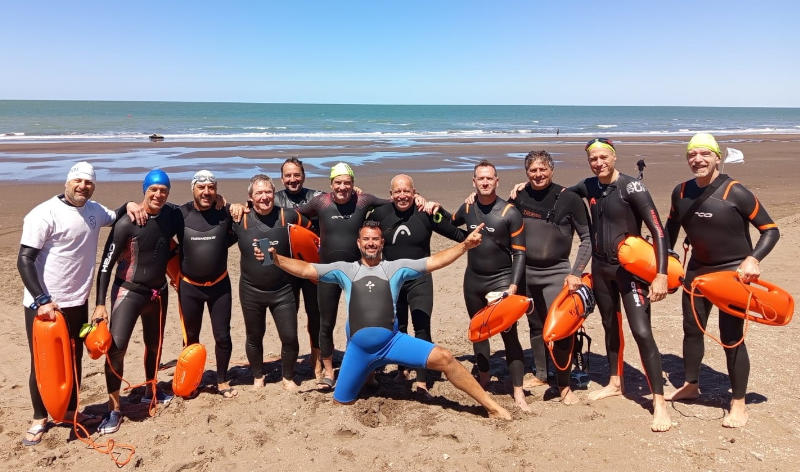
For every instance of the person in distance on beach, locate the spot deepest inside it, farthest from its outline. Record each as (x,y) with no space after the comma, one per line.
(716,213)
(372,286)
(266,286)
(139,290)
(56,264)
(497,264)
(294,194)
(618,204)
(407,234)
(640,165)
(551,214)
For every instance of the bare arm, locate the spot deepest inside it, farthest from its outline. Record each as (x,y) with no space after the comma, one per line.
(448,256)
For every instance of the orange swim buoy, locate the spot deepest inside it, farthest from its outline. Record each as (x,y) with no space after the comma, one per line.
(52,362)
(758,301)
(568,312)
(174,267)
(498,317)
(189,369)
(638,257)
(303,244)
(98,341)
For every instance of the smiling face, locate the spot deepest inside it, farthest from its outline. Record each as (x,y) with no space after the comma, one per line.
(263,197)
(704,164)
(602,161)
(154,198)
(205,195)
(539,174)
(78,191)
(402,192)
(292,177)
(370,243)
(485,181)
(342,187)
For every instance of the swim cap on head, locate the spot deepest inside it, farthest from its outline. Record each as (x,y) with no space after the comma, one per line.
(341,169)
(704,140)
(600,142)
(203,177)
(81,170)
(155,177)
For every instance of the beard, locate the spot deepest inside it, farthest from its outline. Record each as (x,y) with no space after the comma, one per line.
(370,257)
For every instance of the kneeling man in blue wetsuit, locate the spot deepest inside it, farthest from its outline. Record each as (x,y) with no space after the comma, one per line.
(371,286)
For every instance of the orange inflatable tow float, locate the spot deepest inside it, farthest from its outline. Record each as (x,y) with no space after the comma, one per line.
(638,257)
(568,311)
(498,316)
(53,363)
(98,341)
(303,244)
(189,370)
(758,301)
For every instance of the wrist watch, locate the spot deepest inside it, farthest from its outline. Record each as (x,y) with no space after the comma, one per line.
(42,299)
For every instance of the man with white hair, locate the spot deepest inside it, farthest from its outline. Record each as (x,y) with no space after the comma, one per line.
(56,263)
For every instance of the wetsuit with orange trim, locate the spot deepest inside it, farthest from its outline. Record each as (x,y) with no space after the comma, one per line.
(338,230)
(719,232)
(204,265)
(499,261)
(618,210)
(551,216)
(139,288)
(263,287)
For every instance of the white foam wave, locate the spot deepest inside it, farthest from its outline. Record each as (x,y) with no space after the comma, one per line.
(606,126)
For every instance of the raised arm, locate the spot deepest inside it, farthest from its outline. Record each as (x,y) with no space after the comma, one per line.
(448,256)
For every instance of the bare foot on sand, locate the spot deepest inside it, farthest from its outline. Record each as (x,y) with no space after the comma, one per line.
(519,399)
(738,416)
(226,390)
(314,360)
(533,382)
(661,419)
(568,397)
(289,385)
(689,391)
(422,389)
(613,388)
(258,382)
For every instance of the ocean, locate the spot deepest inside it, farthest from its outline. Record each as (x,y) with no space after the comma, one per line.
(262,135)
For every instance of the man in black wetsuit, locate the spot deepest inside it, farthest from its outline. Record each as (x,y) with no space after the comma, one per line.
(618,204)
(551,214)
(372,286)
(716,212)
(293,176)
(141,254)
(497,264)
(341,213)
(407,234)
(266,286)
(204,267)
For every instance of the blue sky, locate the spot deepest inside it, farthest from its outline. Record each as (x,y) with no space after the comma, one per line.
(409,52)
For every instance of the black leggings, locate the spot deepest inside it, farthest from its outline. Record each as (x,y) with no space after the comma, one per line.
(218,297)
(75,317)
(543,286)
(281,304)
(127,306)
(328,298)
(611,282)
(730,330)
(416,296)
(311,305)
(475,289)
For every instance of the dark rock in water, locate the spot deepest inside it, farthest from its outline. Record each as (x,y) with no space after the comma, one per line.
(156,137)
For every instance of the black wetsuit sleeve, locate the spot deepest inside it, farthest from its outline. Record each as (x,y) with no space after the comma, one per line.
(459,217)
(751,208)
(673,225)
(26,265)
(644,206)
(114,246)
(580,223)
(311,208)
(580,189)
(517,232)
(443,224)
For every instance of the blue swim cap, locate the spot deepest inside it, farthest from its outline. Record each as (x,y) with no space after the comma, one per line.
(155,177)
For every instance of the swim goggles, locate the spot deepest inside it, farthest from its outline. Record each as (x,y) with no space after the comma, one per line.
(605,142)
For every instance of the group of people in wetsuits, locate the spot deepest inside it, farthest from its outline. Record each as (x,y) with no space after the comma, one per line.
(377,252)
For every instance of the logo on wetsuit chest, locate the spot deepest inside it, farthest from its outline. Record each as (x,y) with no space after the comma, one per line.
(402,229)
(702,214)
(92,222)
(487,228)
(340,217)
(369,286)
(635,187)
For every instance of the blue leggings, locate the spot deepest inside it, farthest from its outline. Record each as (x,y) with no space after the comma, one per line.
(373,347)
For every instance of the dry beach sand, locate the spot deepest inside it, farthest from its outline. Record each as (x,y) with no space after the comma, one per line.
(392,428)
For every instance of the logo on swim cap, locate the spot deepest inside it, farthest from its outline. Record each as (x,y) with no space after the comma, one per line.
(203,177)
(704,140)
(81,170)
(155,177)
(342,169)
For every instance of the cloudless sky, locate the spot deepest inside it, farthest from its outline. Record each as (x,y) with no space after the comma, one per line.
(714,53)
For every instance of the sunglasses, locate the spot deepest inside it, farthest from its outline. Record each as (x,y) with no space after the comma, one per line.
(599,140)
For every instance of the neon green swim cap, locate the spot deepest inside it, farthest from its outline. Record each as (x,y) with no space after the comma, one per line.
(342,169)
(704,140)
